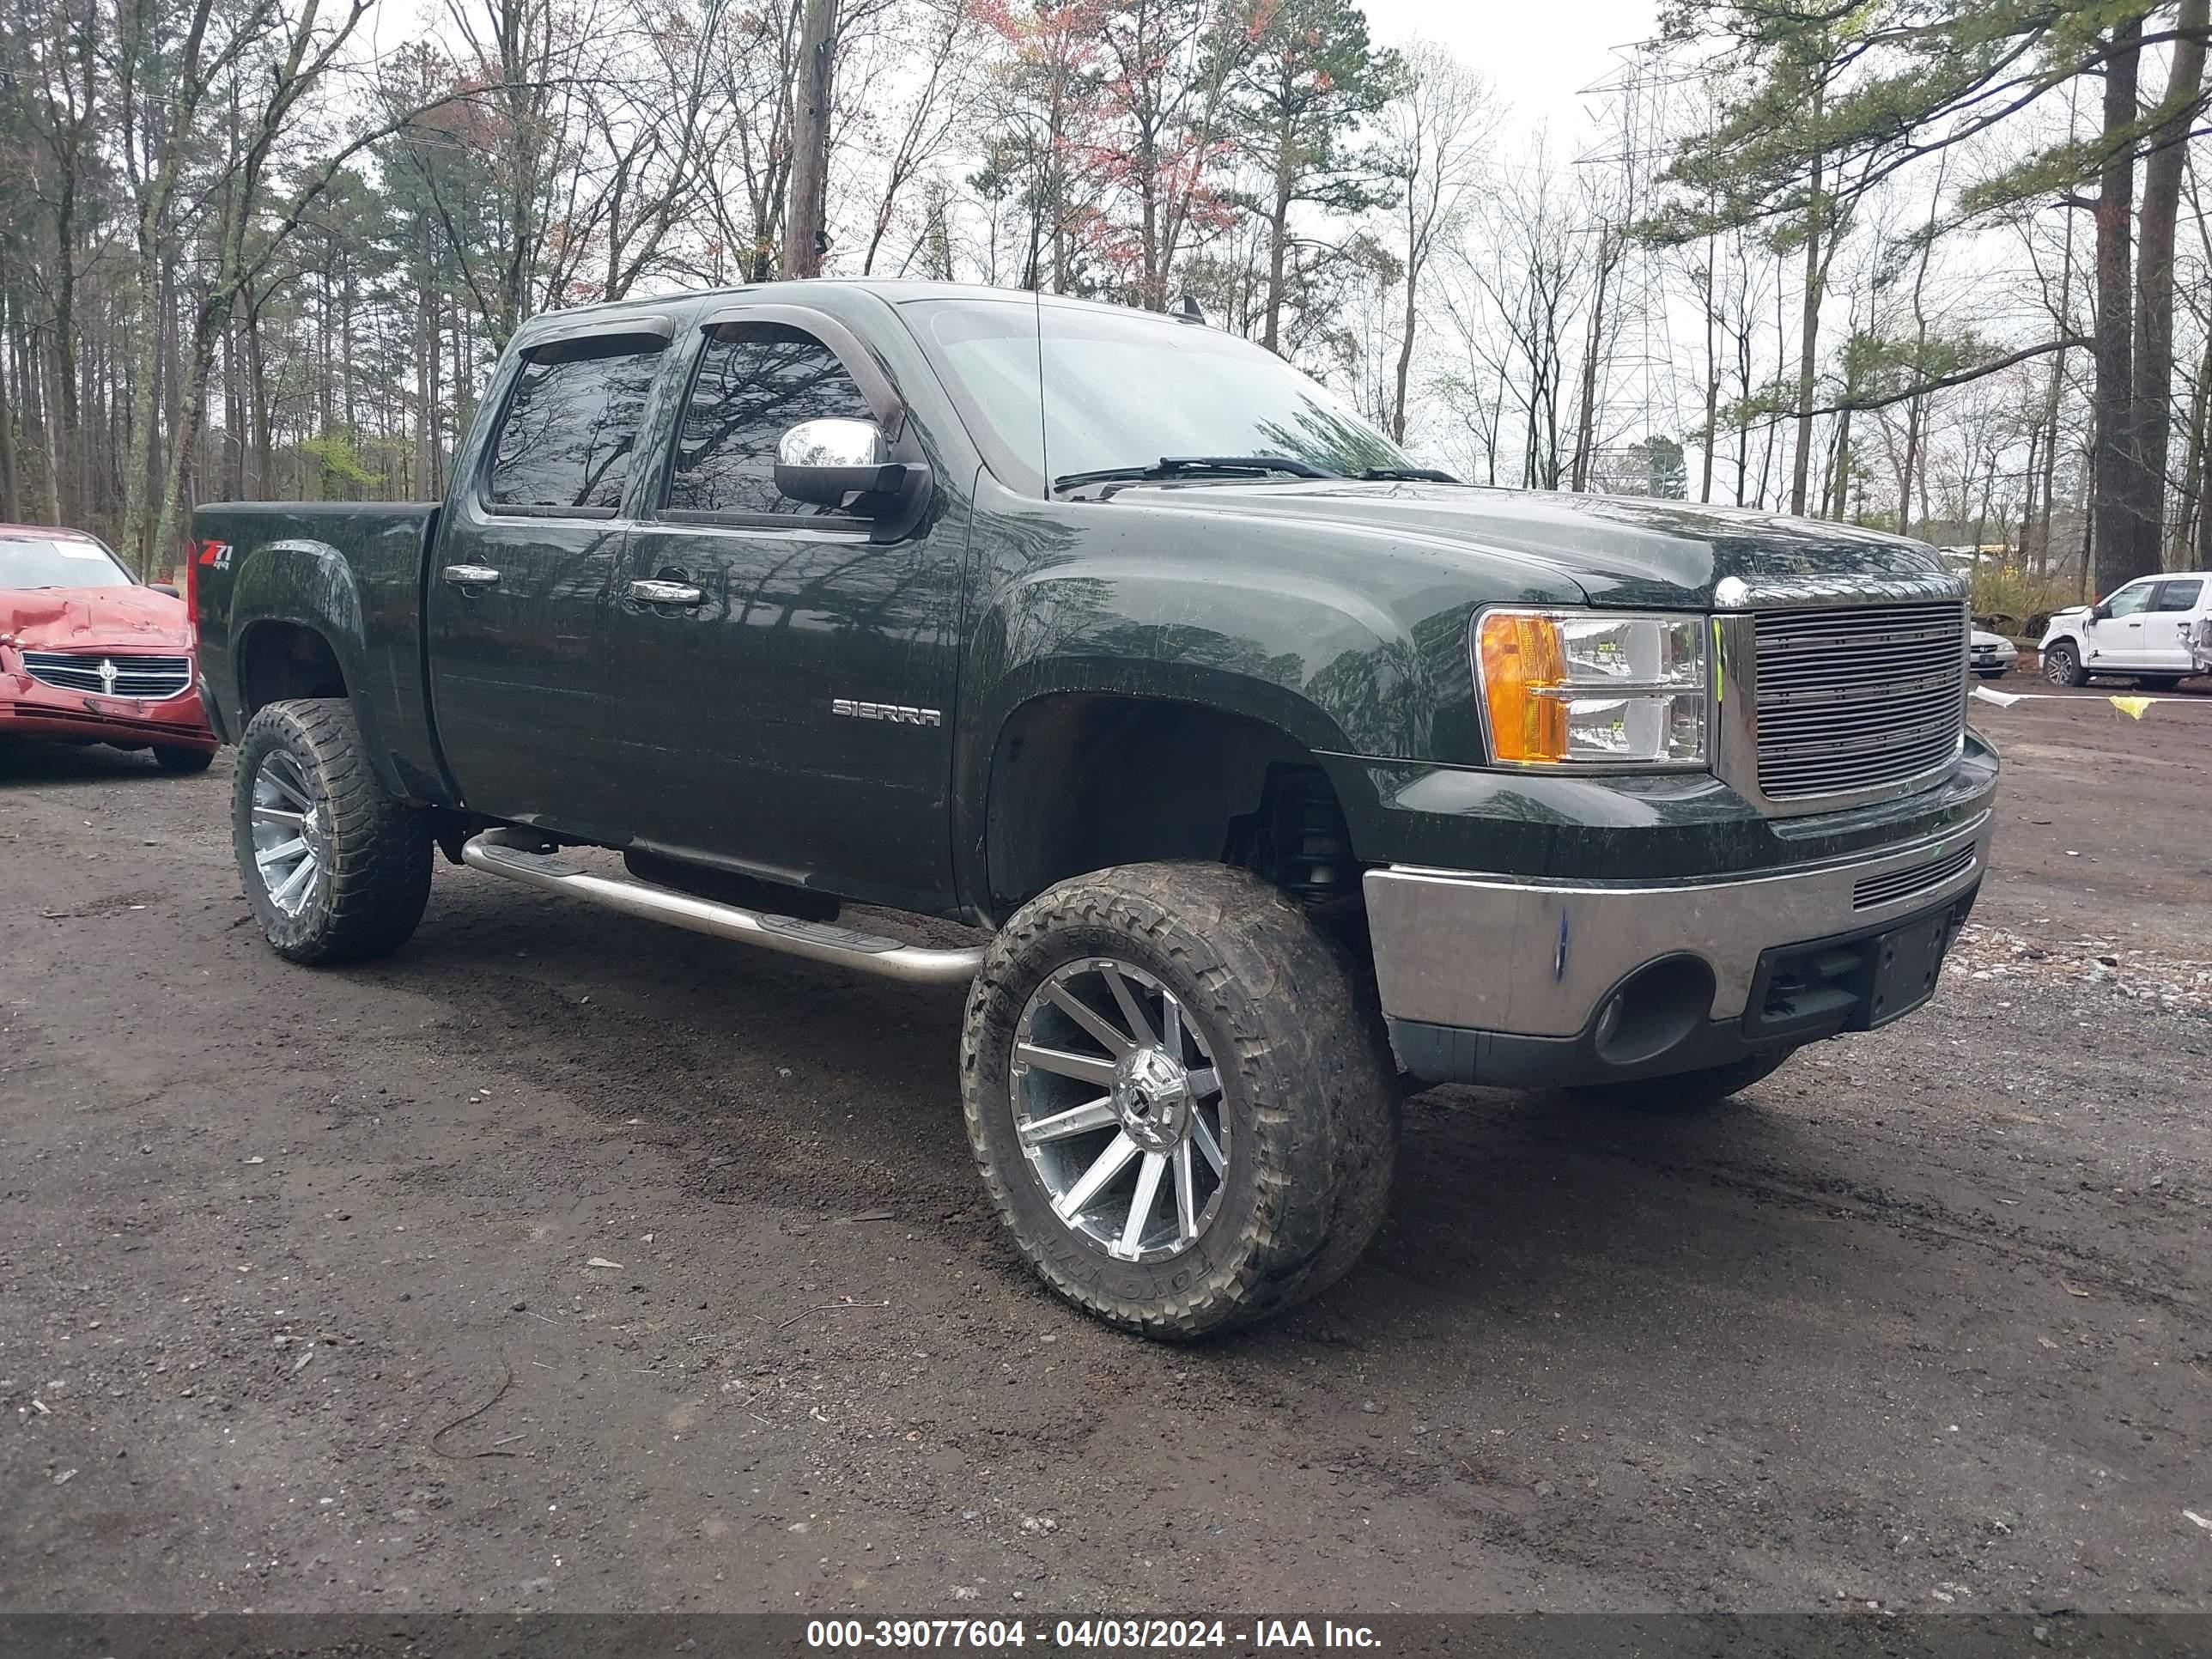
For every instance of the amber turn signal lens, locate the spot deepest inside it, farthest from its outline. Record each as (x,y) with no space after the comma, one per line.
(1521,657)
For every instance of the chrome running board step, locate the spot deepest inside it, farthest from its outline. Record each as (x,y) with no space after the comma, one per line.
(508,852)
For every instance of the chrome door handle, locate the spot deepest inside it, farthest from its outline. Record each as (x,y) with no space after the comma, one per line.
(471,575)
(659,592)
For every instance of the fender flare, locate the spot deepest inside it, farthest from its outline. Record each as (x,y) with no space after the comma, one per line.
(300,582)
(1325,665)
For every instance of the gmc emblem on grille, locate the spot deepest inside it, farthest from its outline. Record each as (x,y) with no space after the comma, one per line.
(897,711)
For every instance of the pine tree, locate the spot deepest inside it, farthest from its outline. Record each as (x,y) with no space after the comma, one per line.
(1311,79)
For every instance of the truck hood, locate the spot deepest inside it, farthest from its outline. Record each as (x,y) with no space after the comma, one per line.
(93,618)
(1619,549)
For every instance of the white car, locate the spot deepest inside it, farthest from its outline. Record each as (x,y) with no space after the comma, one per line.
(2157,631)
(1993,655)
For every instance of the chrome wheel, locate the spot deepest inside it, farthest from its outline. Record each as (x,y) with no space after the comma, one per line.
(2058,666)
(289,837)
(1117,1104)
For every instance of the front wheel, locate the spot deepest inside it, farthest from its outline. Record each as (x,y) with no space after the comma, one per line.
(1179,1098)
(335,869)
(2062,664)
(1687,1092)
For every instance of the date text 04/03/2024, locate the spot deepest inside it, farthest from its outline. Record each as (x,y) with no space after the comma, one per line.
(1089,1634)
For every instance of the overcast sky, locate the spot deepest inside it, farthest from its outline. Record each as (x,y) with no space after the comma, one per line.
(1539,54)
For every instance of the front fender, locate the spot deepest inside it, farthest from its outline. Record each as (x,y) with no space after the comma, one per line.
(1325,664)
(2064,625)
(1315,657)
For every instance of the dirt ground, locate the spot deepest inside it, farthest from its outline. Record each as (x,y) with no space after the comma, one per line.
(309,1296)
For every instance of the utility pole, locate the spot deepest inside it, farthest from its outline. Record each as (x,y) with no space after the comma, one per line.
(803,222)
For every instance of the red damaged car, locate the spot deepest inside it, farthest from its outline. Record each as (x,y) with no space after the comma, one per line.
(90,654)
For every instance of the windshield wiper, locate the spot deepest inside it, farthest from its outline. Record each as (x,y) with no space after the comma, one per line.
(1175,466)
(1405,475)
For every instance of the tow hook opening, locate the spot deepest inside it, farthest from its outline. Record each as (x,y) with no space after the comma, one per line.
(1653,1009)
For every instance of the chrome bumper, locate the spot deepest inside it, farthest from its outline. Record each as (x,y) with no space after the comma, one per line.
(1537,958)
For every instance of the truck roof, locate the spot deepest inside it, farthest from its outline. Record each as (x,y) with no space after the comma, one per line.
(896,290)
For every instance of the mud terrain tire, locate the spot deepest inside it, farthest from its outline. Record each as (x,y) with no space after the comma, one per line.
(372,852)
(1307,1094)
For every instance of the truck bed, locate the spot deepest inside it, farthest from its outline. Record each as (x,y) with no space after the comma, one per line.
(352,570)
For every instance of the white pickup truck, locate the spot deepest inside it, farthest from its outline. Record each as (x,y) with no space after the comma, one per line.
(2157,631)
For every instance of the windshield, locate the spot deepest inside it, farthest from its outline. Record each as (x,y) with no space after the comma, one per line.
(57,562)
(1125,388)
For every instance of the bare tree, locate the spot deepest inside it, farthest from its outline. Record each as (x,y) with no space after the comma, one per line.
(1433,135)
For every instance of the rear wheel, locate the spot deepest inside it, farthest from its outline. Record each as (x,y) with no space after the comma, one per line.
(2062,664)
(182,763)
(335,869)
(1180,1100)
(1687,1092)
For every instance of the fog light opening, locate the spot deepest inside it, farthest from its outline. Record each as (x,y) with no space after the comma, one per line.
(1655,1008)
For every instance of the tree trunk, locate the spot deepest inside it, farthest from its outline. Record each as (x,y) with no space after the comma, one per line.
(1712,374)
(1809,338)
(1914,416)
(1279,239)
(2203,559)
(1593,348)
(426,370)
(9,512)
(1743,356)
(804,223)
(1841,496)
(1915,412)
(2196,478)
(2118,449)
(15,407)
(1411,326)
(260,419)
(2154,322)
(2051,402)
(139,466)
(66,436)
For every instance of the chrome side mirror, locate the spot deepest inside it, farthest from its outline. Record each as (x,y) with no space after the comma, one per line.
(825,462)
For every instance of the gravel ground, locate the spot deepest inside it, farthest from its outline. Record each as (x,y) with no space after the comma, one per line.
(564,1261)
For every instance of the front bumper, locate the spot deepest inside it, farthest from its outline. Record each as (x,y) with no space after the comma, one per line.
(31,708)
(1499,979)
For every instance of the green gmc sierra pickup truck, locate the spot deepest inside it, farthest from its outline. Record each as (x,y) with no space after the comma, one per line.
(1283,771)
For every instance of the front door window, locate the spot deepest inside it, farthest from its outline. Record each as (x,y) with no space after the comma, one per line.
(755,381)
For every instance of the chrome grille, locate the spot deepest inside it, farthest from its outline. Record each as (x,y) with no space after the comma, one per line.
(144,679)
(1858,698)
(1895,885)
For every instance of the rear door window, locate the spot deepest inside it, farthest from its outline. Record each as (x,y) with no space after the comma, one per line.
(755,381)
(2178,596)
(571,428)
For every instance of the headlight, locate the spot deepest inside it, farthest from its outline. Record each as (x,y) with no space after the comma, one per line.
(1574,688)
